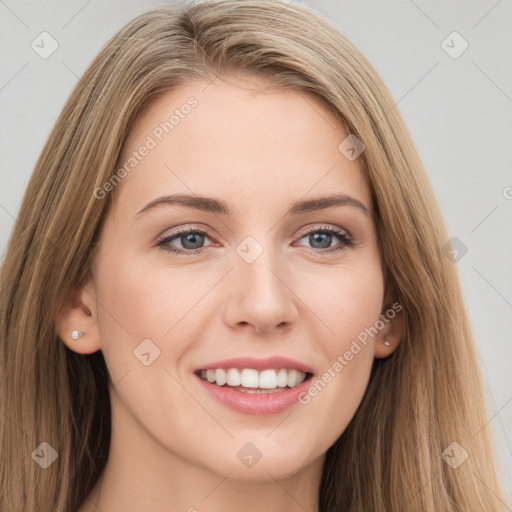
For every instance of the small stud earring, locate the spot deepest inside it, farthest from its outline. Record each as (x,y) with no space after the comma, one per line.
(386,343)
(76,334)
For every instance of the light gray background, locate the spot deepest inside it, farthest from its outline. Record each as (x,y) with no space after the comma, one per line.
(457,110)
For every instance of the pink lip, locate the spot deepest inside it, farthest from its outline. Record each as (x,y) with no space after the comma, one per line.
(274,362)
(255,404)
(252,403)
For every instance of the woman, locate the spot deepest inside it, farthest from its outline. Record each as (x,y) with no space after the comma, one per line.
(226,287)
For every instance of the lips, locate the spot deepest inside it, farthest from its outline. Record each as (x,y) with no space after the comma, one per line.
(258,364)
(255,386)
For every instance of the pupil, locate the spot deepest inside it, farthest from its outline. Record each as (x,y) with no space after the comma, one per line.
(324,238)
(190,238)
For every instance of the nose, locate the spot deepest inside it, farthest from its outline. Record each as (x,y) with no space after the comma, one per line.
(261,297)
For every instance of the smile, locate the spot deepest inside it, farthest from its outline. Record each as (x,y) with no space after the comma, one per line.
(255,386)
(250,380)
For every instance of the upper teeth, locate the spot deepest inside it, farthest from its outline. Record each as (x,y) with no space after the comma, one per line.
(251,378)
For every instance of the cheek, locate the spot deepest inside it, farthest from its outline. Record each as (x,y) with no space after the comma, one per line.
(346,300)
(350,306)
(141,301)
(139,309)
(334,395)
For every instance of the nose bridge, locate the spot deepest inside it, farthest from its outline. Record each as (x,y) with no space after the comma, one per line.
(262,296)
(259,261)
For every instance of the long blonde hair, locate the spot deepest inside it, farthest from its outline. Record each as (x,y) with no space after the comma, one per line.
(425,396)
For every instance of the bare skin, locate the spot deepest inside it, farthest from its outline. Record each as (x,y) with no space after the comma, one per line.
(174,447)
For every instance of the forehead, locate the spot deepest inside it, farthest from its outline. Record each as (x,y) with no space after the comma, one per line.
(237,139)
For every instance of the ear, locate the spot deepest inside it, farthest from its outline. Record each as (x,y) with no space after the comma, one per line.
(79,313)
(392,332)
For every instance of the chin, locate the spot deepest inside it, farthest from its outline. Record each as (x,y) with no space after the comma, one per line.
(264,463)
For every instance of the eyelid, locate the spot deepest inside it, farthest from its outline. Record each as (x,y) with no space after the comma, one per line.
(320,227)
(186,227)
(303,232)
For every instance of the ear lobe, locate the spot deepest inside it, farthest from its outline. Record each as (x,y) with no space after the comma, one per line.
(79,313)
(392,333)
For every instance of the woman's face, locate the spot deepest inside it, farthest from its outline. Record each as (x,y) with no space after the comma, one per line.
(281,290)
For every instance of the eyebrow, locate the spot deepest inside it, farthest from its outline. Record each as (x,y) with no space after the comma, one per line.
(219,207)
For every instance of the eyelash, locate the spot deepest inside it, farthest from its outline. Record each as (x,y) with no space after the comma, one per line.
(346,240)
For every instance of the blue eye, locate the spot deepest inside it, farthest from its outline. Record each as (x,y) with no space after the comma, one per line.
(192,240)
(323,238)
